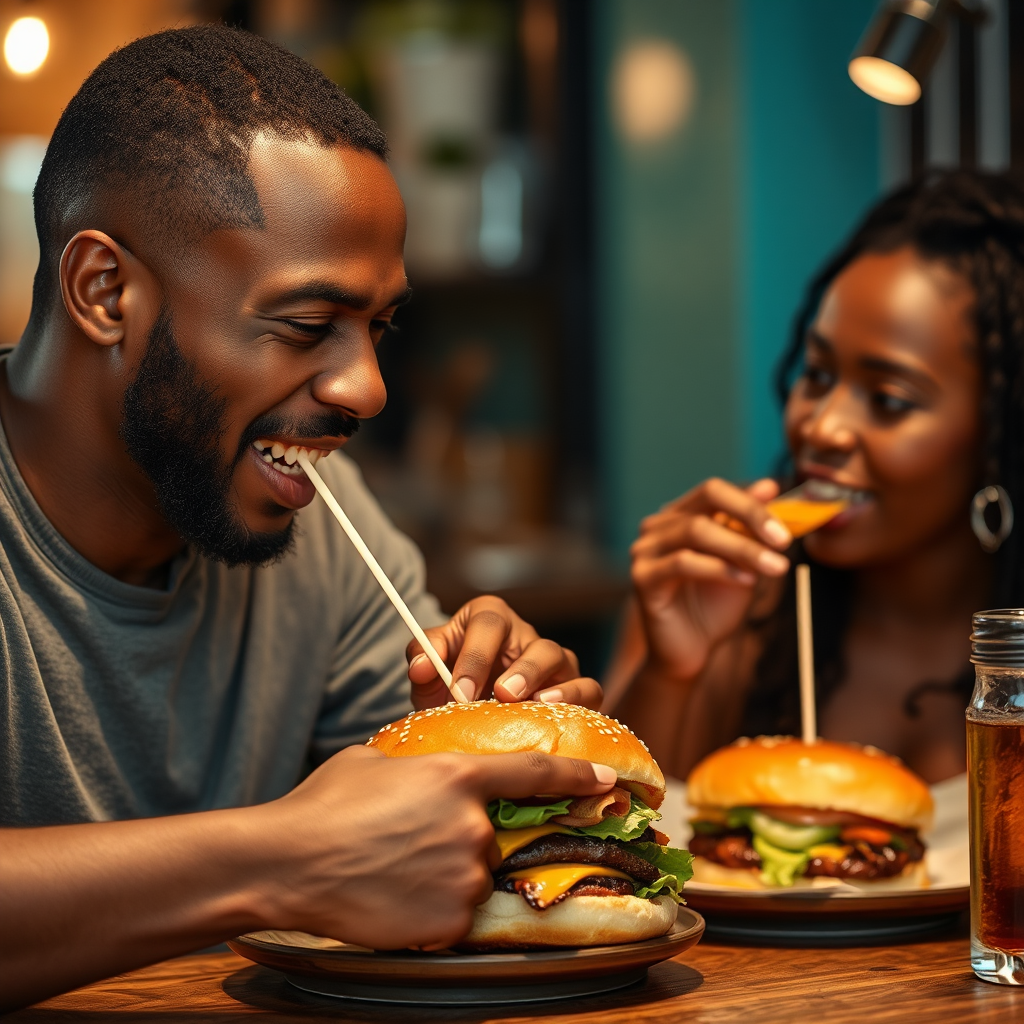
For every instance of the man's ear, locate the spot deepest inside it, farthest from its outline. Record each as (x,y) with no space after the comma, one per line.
(94,273)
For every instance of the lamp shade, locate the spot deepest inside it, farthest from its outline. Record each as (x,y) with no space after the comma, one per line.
(898,50)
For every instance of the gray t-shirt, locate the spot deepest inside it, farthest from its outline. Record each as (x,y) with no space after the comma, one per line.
(119,701)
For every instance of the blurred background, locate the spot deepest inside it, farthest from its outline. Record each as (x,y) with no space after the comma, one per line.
(614,207)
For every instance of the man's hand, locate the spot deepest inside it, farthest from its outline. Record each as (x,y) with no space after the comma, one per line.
(385,852)
(396,852)
(495,653)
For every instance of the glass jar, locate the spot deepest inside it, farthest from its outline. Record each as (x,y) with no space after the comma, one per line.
(995,768)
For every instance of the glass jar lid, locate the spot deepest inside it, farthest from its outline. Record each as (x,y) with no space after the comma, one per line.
(997,638)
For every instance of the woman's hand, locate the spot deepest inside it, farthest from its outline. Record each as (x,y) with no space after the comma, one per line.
(496,653)
(694,576)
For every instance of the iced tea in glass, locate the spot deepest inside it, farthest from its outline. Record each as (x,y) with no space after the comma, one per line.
(995,766)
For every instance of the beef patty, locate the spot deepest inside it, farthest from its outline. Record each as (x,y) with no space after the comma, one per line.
(560,848)
(863,862)
(595,886)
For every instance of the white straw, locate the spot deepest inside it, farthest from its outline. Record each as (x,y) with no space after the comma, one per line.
(805,644)
(374,566)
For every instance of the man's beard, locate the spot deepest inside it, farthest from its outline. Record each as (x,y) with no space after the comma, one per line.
(173,427)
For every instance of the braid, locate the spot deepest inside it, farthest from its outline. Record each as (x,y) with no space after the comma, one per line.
(974,223)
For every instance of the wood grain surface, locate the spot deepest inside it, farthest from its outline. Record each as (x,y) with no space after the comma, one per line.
(923,982)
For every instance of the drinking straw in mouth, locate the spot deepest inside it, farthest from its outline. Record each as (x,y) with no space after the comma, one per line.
(805,646)
(374,566)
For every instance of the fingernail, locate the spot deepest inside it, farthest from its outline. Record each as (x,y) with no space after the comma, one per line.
(604,774)
(462,688)
(777,533)
(742,576)
(516,685)
(417,661)
(773,563)
(552,697)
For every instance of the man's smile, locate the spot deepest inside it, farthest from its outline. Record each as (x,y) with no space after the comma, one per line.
(283,457)
(276,462)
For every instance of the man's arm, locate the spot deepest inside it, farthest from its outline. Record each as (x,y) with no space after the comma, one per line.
(384,852)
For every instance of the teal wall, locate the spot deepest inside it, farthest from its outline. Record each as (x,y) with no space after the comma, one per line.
(810,169)
(707,238)
(668,314)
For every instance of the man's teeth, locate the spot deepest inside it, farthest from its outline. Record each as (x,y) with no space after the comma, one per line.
(284,459)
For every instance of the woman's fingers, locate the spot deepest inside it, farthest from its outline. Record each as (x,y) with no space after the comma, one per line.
(719,497)
(704,535)
(688,565)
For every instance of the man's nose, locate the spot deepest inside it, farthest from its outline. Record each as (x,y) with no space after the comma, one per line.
(352,382)
(831,424)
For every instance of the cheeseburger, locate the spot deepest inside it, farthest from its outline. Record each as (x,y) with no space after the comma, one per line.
(774,811)
(575,871)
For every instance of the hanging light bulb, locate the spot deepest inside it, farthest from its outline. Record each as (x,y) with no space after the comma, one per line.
(26,45)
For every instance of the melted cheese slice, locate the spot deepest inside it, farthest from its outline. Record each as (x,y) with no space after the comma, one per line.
(511,839)
(829,851)
(553,880)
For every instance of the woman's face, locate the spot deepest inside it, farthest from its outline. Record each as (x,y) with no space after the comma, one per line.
(889,405)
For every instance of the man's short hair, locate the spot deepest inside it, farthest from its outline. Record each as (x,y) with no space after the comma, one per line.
(166,122)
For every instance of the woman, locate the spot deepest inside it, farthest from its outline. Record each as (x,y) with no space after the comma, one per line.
(908,390)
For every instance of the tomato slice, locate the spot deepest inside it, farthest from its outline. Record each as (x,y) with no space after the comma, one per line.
(866,834)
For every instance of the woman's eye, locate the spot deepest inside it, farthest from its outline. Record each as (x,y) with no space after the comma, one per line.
(890,405)
(818,379)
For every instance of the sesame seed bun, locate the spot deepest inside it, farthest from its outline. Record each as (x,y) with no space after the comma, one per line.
(493,727)
(506,922)
(783,771)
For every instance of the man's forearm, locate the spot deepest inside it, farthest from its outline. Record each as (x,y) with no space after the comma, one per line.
(82,902)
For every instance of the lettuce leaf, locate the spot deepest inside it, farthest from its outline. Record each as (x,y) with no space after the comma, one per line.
(508,814)
(631,825)
(676,867)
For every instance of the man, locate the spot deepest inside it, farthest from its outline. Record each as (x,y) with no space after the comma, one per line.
(220,254)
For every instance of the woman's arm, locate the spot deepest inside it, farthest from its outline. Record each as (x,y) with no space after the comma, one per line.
(682,720)
(685,659)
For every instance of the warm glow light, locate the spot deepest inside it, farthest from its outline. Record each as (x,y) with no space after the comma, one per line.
(26,45)
(885,81)
(653,90)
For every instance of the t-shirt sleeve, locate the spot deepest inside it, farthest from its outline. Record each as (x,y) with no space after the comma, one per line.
(367,685)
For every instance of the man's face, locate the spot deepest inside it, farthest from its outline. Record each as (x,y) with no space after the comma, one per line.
(267,342)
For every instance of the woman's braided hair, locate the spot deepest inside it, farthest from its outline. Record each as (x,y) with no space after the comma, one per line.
(974,223)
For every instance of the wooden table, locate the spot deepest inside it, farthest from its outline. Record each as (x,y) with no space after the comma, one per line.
(912,984)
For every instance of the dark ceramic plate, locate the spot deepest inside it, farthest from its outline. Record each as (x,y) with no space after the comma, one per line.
(336,969)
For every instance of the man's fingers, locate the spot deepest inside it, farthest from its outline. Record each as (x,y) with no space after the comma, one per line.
(421,669)
(585,692)
(486,633)
(542,663)
(532,773)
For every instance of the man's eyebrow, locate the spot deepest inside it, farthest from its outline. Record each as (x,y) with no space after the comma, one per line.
(324,291)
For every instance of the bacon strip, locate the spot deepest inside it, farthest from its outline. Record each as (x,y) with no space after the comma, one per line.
(589,810)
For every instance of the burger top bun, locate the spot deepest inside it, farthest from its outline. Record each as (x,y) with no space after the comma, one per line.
(492,727)
(782,771)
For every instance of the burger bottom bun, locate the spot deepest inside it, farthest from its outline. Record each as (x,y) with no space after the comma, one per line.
(913,876)
(507,921)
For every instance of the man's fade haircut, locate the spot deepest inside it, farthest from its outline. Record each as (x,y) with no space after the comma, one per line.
(166,122)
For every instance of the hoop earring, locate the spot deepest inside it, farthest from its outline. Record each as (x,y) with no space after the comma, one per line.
(990,541)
